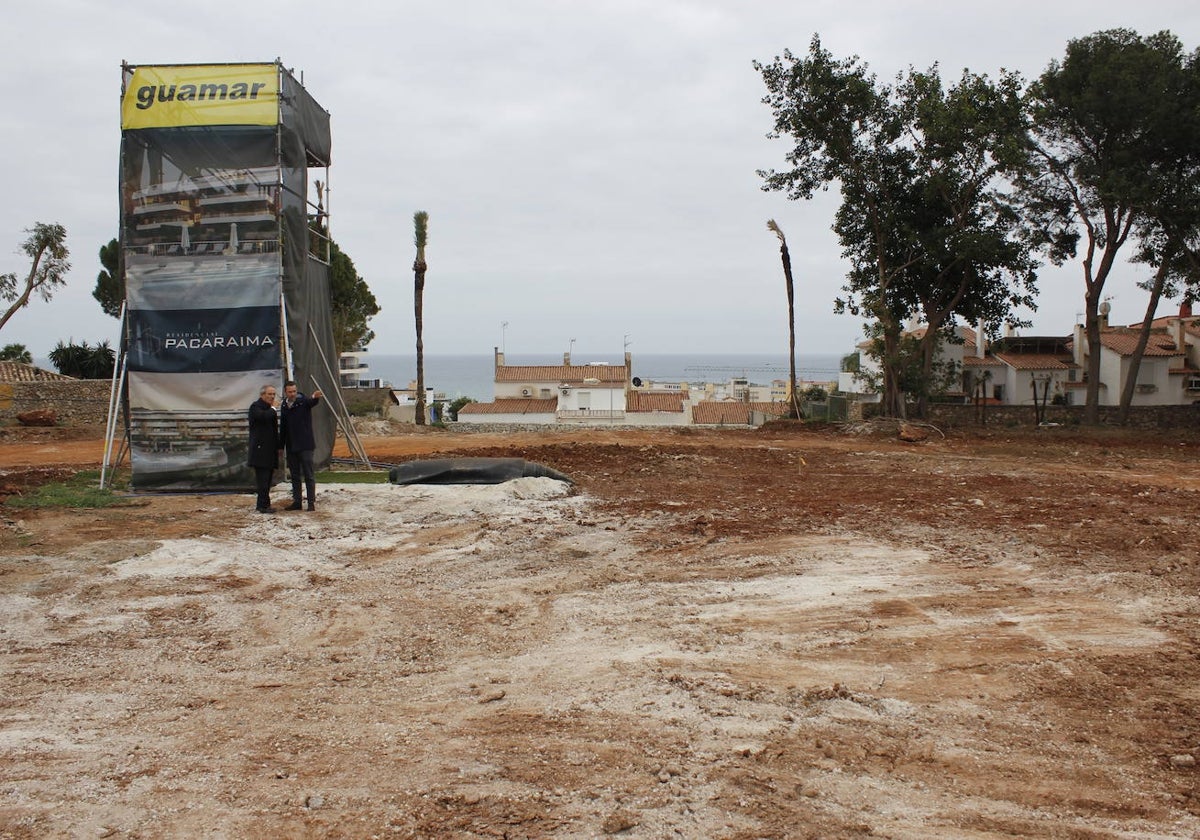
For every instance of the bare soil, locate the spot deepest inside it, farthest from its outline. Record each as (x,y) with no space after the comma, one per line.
(783,632)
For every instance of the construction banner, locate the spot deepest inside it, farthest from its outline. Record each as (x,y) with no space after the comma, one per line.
(223,291)
(174,96)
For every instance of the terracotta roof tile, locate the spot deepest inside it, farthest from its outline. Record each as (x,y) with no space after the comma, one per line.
(732,412)
(1035,361)
(713,412)
(561,374)
(1124,342)
(1191,326)
(511,406)
(19,372)
(654,401)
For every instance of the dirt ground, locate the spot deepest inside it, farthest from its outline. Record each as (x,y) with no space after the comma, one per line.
(772,633)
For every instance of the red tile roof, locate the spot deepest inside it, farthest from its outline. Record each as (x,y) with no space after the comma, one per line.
(1035,361)
(1124,341)
(561,374)
(19,372)
(654,401)
(1191,326)
(713,412)
(732,412)
(511,406)
(987,361)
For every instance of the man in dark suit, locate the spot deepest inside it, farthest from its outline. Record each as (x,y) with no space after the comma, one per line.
(296,427)
(265,445)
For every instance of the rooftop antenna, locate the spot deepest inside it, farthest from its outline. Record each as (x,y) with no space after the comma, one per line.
(503,332)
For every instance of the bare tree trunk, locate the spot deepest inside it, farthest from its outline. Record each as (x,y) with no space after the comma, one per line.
(1116,234)
(1135,361)
(1091,328)
(928,348)
(893,396)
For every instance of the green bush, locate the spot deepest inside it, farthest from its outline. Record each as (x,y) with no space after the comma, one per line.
(360,407)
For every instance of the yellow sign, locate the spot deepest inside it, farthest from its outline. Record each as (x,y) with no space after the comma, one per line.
(199,94)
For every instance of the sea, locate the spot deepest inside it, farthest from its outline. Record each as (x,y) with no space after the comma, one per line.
(474,376)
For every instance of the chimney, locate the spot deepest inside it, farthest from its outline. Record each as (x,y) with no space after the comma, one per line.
(499,358)
(1185,308)
(567,358)
(980,341)
(1079,340)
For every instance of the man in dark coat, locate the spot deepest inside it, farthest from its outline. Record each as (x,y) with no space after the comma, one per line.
(296,427)
(265,445)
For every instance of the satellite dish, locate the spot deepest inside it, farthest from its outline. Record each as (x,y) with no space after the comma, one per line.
(637,382)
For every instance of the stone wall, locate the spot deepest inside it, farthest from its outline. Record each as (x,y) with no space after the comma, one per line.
(76,402)
(1147,417)
(84,402)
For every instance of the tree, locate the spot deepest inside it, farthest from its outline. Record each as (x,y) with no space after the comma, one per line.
(110,282)
(420,237)
(16,353)
(46,247)
(1099,118)
(351,301)
(924,221)
(1169,232)
(456,406)
(83,361)
(786,258)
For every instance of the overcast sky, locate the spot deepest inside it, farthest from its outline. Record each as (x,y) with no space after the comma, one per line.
(588,168)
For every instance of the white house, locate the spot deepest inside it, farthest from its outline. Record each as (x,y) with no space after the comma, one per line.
(554,394)
(1008,370)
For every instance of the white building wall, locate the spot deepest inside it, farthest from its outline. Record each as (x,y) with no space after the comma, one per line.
(516,391)
(1111,370)
(1155,373)
(658,418)
(526,419)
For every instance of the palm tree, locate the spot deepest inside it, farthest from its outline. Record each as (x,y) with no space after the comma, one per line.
(420,236)
(791,296)
(16,353)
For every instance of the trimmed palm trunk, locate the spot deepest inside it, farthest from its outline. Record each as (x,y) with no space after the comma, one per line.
(420,236)
(794,409)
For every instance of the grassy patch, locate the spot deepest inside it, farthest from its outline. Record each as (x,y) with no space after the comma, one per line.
(81,490)
(348,477)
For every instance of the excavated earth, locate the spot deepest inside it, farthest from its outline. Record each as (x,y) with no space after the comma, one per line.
(773,633)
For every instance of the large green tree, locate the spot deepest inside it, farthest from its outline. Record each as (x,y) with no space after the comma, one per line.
(1102,120)
(46,247)
(353,304)
(925,219)
(110,282)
